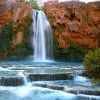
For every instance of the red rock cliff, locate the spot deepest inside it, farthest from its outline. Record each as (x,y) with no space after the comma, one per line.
(75,21)
(16,11)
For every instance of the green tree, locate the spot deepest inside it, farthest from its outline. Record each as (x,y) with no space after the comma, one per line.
(43,8)
(92,65)
(35,4)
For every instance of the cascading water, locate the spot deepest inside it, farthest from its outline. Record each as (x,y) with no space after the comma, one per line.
(42,38)
(15,84)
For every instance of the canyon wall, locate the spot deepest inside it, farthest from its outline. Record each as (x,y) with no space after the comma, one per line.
(16,11)
(15,18)
(75,27)
(75,22)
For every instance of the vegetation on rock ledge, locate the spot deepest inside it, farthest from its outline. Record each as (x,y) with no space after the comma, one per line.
(22,49)
(5,39)
(73,53)
(35,5)
(9,50)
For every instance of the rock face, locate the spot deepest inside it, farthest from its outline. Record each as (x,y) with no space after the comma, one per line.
(16,11)
(76,22)
(19,13)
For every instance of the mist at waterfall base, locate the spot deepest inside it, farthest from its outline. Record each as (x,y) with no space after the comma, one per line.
(42,38)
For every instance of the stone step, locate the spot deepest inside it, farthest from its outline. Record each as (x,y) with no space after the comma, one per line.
(54,87)
(11,81)
(62,88)
(50,77)
(86,92)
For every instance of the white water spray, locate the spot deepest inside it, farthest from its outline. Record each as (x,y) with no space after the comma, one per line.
(42,38)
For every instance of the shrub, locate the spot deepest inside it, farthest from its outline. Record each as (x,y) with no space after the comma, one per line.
(35,4)
(74,53)
(43,8)
(20,51)
(6,37)
(92,65)
(6,43)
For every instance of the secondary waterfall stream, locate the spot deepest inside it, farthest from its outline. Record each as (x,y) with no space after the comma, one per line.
(42,38)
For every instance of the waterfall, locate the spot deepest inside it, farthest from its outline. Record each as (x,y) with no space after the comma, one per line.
(42,38)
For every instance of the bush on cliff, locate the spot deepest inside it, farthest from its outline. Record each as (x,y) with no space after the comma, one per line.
(23,49)
(92,65)
(20,51)
(7,50)
(73,53)
(6,37)
(35,4)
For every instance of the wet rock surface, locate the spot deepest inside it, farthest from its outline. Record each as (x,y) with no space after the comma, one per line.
(11,81)
(69,82)
(48,77)
(49,86)
(11,78)
(86,92)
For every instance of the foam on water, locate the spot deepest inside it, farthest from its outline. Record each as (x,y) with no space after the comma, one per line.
(34,93)
(82,81)
(37,93)
(29,92)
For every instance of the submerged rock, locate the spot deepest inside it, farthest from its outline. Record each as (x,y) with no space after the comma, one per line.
(49,86)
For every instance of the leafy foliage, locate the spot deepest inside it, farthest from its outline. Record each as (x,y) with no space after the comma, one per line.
(6,37)
(92,65)
(6,41)
(43,8)
(35,4)
(74,53)
(24,48)
(20,51)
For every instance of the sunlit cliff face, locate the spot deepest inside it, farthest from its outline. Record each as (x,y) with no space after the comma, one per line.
(8,2)
(80,26)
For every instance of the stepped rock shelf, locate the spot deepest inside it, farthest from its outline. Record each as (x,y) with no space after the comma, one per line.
(69,78)
(34,74)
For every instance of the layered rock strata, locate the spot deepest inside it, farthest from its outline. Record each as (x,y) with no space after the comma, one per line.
(19,13)
(16,11)
(13,10)
(76,22)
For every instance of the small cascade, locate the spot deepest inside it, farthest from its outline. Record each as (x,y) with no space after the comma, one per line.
(25,78)
(81,79)
(42,38)
(49,83)
(8,78)
(11,81)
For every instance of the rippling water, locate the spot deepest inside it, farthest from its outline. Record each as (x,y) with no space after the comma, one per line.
(48,63)
(29,91)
